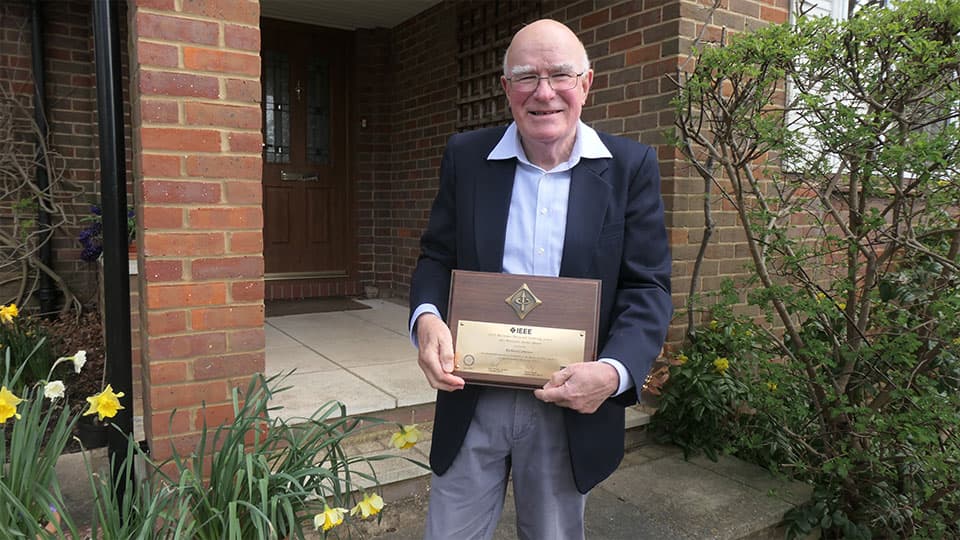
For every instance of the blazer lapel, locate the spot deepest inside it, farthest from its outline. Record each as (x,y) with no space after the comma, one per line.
(589,196)
(494,188)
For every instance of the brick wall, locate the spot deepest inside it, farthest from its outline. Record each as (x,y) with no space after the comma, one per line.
(424,101)
(196,131)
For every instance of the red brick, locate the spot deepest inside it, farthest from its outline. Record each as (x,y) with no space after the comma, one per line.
(185,395)
(186,346)
(234,365)
(155,166)
(253,339)
(595,19)
(156,111)
(185,295)
(625,108)
(176,29)
(226,218)
(221,61)
(163,83)
(241,11)
(166,322)
(242,37)
(166,422)
(183,244)
(214,415)
(245,242)
(246,291)
(245,142)
(156,54)
(167,372)
(227,268)
(626,8)
(158,191)
(155,270)
(774,15)
(165,5)
(243,90)
(208,114)
(224,166)
(643,54)
(225,318)
(244,192)
(161,217)
(197,140)
(625,42)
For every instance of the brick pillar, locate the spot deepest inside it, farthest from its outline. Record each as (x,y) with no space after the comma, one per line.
(195,69)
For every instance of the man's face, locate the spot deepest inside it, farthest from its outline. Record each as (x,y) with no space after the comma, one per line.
(544,115)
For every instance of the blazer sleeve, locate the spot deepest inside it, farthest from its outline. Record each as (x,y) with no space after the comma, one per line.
(642,306)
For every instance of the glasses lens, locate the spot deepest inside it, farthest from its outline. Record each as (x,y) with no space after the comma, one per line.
(525,83)
(563,81)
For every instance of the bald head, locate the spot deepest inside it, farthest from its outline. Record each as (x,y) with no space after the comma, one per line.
(542,35)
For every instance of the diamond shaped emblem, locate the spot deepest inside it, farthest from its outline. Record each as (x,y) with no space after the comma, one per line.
(523,301)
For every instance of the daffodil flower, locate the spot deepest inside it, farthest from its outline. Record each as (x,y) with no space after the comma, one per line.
(53,390)
(105,404)
(369,506)
(8,313)
(79,360)
(406,437)
(8,405)
(329,518)
(721,364)
(772,386)
(682,359)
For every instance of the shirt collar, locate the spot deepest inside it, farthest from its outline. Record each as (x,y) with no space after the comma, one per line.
(587,145)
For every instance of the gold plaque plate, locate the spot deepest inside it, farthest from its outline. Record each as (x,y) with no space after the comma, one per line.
(526,355)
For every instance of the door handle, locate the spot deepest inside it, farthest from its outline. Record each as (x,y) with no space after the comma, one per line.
(298,177)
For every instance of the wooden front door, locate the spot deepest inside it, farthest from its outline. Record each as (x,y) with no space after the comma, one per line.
(306,173)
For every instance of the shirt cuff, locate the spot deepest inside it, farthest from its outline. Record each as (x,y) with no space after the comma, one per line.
(626,382)
(421,309)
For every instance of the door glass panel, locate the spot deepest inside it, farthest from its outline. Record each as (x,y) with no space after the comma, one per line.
(276,77)
(318,111)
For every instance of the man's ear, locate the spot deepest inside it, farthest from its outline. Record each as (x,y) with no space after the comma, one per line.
(504,83)
(586,81)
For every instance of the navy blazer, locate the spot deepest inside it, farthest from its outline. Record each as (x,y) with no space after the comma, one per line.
(615,232)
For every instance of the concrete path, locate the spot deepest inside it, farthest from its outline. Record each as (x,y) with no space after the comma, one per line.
(654,494)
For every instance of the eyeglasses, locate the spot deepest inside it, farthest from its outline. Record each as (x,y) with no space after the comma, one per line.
(557,81)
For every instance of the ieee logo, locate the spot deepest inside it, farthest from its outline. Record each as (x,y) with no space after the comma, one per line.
(523,331)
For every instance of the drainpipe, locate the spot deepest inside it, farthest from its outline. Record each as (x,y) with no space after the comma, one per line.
(47,293)
(113,197)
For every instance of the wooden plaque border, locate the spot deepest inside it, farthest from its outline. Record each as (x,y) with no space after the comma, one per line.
(571,303)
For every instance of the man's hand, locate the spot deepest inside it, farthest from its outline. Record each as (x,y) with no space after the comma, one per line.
(582,387)
(436,353)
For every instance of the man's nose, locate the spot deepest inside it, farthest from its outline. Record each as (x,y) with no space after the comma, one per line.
(544,90)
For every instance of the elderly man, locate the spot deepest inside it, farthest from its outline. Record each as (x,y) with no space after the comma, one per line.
(547,196)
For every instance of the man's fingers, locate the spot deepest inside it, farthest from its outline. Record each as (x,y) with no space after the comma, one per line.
(436,353)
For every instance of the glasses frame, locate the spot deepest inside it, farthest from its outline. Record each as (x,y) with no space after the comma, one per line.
(549,81)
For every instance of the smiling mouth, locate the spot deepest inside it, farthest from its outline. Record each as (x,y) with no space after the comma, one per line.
(544,113)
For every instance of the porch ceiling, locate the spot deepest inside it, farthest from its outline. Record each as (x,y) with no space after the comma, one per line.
(348,15)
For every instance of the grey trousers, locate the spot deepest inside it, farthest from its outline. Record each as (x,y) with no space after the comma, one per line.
(511,430)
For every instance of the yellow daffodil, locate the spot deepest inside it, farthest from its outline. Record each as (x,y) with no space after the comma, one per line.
(406,437)
(329,518)
(369,506)
(53,390)
(8,405)
(956,341)
(772,386)
(682,359)
(842,306)
(8,313)
(748,333)
(105,404)
(714,324)
(820,297)
(721,364)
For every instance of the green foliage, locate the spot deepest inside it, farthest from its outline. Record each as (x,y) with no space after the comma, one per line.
(847,193)
(24,338)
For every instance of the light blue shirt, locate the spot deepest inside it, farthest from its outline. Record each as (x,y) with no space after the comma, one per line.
(536,224)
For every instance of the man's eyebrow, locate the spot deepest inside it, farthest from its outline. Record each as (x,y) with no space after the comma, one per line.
(555,68)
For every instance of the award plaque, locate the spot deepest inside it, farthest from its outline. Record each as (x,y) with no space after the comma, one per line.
(516,331)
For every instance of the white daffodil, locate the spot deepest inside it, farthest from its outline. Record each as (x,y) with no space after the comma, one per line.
(53,390)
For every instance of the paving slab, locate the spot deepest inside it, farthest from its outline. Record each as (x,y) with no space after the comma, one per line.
(299,358)
(311,390)
(403,380)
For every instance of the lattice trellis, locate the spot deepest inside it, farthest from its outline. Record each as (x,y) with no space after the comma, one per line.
(484,31)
